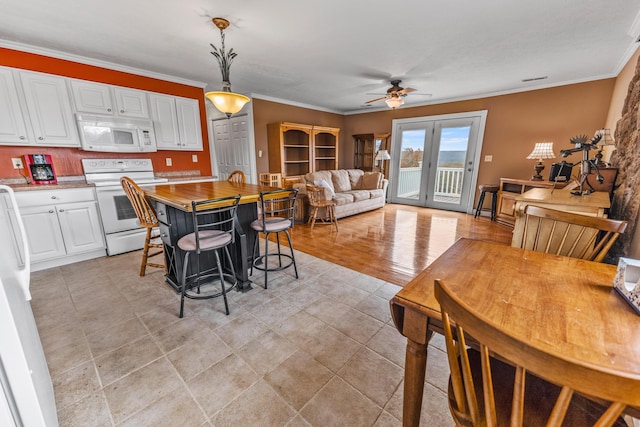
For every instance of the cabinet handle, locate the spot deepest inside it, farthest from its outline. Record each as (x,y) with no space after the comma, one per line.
(50,210)
(160,213)
(163,235)
(122,111)
(53,197)
(60,210)
(109,109)
(40,138)
(22,137)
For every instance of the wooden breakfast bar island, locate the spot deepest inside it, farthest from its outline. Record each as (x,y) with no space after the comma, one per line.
(173,206)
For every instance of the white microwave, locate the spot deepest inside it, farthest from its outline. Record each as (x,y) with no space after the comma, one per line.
(116,134)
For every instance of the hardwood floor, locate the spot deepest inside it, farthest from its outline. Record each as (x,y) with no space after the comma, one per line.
(394,243)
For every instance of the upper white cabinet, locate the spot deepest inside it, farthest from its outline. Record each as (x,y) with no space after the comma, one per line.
(49,109)
(177,122)
(97,98)
(13,128)
(189,123)
(131,102)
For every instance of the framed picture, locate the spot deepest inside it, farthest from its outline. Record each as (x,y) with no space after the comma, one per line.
(627,281)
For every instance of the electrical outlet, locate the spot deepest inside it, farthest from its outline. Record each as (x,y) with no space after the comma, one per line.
(17,162)
(168,161)
(194,158)
(488,158)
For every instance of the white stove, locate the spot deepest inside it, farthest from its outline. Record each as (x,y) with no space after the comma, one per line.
(119,220)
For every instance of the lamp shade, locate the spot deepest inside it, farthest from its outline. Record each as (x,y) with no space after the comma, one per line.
(606,138)
(394,102)
(227,102)
(542,150)
(382,155)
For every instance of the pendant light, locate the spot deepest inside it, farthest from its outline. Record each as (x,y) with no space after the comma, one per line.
(225,101)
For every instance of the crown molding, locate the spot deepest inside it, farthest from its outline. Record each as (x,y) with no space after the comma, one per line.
(97,62)
(295,104)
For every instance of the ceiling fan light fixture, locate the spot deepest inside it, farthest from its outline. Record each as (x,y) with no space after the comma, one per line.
(394,102)
(225,101)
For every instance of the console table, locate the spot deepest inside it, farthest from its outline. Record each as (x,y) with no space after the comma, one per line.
(510,188)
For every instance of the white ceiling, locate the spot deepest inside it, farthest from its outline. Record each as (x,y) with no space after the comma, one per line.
(337,54)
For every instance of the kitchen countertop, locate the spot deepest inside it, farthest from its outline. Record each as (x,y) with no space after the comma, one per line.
(19,184)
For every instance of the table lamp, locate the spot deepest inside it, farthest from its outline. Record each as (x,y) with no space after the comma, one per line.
(605,139)
(381,156)
(541,151)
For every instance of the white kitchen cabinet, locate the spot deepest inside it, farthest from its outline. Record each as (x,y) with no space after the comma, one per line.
(13,128)
(91,97)
(98,98)
(49,109)
(43,233)
(189,123)
(62,226)
(131,102)
(177,122)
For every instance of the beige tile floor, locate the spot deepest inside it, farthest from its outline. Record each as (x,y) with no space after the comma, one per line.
(320,350)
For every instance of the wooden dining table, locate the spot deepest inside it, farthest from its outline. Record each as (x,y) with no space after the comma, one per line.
(173,206)
(572,301)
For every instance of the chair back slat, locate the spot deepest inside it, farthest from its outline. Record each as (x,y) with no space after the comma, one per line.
(569,234)
(143,209)
(237,176)
(518,383)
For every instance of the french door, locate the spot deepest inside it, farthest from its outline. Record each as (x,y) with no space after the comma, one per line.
(434,160)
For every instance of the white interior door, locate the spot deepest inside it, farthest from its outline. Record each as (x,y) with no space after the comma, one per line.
(233,147)
(434,160)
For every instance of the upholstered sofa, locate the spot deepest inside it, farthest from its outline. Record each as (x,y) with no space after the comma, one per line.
(353,190)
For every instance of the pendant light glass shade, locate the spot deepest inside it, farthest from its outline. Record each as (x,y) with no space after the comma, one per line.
(227,102)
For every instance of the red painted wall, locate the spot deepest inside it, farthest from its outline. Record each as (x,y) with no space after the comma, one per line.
(67,161)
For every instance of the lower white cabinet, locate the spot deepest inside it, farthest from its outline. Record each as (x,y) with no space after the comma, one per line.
(61,224)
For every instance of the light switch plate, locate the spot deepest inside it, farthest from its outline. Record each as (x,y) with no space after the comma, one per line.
(194,158)
(168,161)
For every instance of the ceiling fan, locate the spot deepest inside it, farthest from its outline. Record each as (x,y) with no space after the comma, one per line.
(394,95)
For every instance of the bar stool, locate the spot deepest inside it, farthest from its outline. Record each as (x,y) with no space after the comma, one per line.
(213,229)
(487,188)
(278,211)
(148,219)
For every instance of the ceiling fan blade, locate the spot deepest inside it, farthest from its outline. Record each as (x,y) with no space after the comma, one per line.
(376,100)
(406,91)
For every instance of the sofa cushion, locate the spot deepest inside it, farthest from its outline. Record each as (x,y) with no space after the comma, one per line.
(340,180)
(355,176)
(343,198)
(360,195)
(371,180)
(313,177)
(374,194)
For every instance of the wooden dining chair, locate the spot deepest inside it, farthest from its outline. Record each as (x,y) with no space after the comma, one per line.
(238,177)
(503,380)
(317,201)
(569,234)
(148,219)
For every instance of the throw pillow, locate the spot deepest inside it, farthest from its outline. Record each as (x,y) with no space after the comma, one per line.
(328,191)
(371,180)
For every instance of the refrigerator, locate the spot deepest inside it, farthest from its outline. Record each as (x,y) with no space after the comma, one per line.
(26,390)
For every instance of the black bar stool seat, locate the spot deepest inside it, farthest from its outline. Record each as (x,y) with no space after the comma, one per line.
(487,188)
